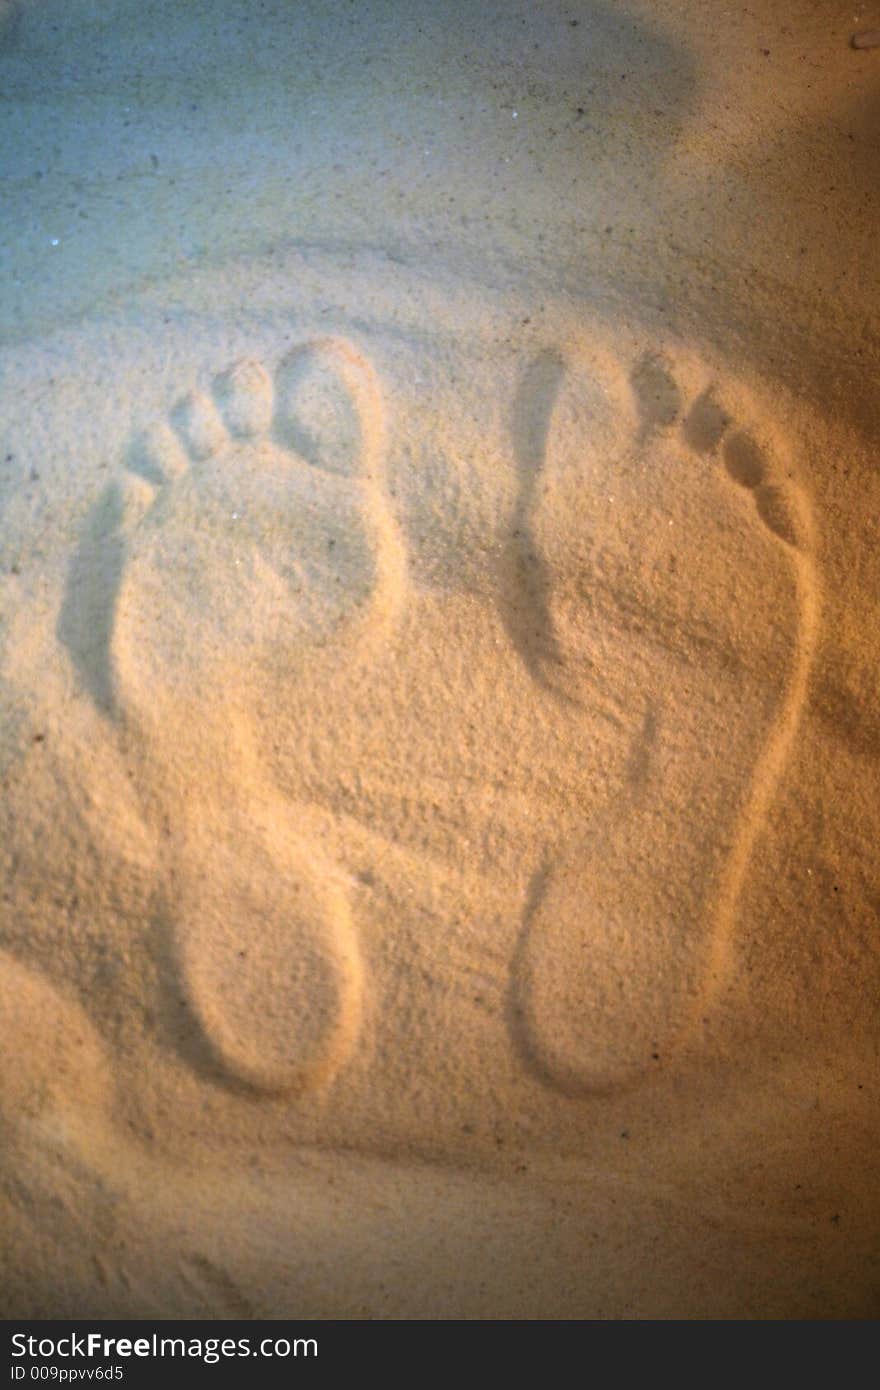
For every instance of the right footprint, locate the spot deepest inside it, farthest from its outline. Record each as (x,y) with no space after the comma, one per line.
(667,565)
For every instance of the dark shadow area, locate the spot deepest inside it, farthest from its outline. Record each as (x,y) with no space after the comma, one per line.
(705,423)
(10,25)
(514,1007)
(525,582)
(658,399)
(86,621)
(176,1025)
(146,139)
(817,189)
(91,45)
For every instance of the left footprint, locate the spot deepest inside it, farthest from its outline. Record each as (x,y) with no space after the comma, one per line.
(252,543)
(256,523)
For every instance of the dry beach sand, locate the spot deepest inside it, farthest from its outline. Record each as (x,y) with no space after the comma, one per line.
(439,729)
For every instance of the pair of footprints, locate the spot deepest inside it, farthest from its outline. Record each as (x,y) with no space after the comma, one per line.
(257,520)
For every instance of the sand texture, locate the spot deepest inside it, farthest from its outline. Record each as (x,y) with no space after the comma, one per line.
(439,732)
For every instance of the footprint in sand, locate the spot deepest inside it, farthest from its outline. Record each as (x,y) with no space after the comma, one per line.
(250,540)
(665,570)
(265,500)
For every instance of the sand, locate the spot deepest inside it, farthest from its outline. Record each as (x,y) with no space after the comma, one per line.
(438,604)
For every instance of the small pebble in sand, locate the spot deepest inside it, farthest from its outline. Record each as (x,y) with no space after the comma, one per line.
(868,38)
